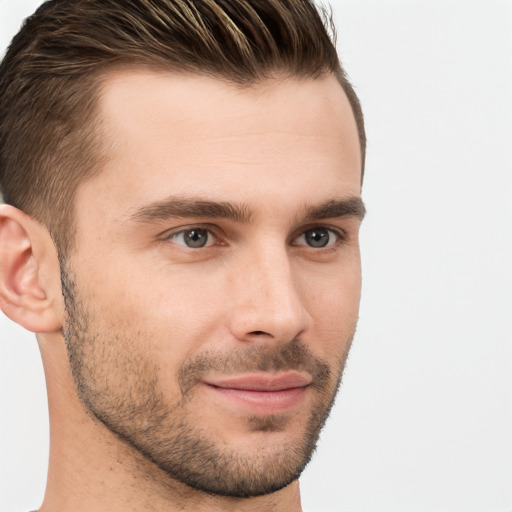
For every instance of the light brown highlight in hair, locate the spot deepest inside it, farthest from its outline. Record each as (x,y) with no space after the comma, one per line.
(49,78)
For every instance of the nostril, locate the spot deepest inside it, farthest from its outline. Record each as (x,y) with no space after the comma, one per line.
(259,333)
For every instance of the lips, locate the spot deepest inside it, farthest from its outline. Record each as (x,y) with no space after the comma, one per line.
(261,393)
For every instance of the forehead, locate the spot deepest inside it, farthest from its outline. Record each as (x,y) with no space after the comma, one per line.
(174,134)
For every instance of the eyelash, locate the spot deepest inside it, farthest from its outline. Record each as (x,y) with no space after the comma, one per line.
(340,236)
(168,237)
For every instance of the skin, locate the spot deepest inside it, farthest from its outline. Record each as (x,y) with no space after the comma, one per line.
(150,322)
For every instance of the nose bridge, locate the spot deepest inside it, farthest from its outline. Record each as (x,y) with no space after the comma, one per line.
(268,301)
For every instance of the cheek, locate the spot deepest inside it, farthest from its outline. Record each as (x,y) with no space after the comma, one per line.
(171,313)
(141,329)
(333,305)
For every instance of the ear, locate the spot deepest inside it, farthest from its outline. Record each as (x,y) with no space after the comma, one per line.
(30,291)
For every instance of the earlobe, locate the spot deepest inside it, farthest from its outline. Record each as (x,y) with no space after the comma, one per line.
(25,297)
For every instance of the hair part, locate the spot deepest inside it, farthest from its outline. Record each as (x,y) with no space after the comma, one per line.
(50,76)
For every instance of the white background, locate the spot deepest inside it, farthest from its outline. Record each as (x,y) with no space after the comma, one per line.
(424,418)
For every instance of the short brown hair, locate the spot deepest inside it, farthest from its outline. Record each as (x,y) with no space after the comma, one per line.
(49,78)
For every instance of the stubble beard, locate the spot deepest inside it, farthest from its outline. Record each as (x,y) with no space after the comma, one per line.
(131,404)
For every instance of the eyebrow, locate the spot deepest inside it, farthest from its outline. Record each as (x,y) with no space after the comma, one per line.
(348,207)
(182,208)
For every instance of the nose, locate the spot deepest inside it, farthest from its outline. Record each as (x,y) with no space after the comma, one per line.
(267,304)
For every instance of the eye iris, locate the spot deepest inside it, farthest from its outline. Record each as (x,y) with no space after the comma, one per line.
(317,237)
(196,238)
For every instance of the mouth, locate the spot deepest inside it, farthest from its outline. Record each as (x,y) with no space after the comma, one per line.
(261,394)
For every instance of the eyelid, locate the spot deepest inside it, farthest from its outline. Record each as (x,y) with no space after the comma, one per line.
(340,234)
(214,231)
(166,235)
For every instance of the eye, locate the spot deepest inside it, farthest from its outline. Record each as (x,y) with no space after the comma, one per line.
(195,238)
(318,238)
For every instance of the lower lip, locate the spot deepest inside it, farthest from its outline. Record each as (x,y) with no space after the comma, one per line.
(262,402)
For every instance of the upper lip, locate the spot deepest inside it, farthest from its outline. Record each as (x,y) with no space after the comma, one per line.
(262,381)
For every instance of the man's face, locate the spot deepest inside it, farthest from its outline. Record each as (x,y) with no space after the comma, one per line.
(213,292)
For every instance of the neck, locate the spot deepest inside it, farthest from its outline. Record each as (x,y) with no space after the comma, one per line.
(90,468)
